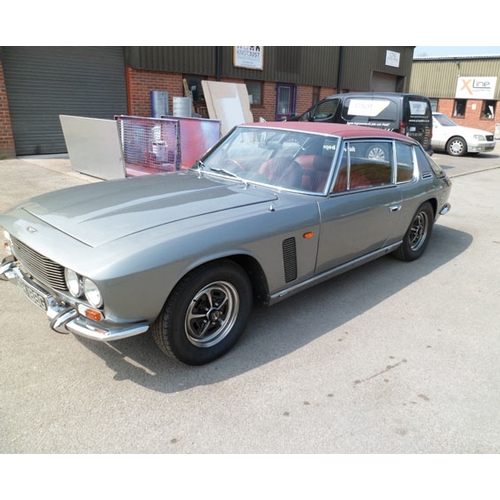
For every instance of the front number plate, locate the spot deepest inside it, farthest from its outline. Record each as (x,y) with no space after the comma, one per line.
(36,296)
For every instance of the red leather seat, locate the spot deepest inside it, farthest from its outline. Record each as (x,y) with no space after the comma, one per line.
(358,181)
(315,171)
(282,172)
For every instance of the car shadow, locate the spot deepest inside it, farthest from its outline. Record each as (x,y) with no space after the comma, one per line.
(304,317)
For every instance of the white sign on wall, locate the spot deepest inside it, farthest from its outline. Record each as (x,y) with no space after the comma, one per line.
(248,56)
(476,87)
(392,58)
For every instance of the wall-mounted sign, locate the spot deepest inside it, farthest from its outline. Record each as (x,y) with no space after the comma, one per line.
(476,87)
(250,57)
(392,58)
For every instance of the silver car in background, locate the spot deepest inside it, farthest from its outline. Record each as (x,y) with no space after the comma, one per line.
(271,210)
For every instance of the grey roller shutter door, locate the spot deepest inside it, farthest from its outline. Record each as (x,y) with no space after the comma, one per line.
(45,82)
(383,82)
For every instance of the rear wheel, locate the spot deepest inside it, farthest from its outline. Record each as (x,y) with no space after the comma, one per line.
(205,314)
(418,234)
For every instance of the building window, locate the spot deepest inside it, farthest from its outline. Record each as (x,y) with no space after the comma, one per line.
(254,89)
(459,108)
(488,110)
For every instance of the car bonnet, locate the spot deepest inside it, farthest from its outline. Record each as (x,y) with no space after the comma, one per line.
(101,213)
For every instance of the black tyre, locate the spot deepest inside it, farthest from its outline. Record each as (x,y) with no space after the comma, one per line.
(417,237)
(456,146)
(205,314)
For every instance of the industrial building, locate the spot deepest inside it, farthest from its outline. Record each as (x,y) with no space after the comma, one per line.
(38,84)
(465,88)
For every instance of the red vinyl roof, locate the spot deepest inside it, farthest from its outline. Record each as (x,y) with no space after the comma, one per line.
(338,129)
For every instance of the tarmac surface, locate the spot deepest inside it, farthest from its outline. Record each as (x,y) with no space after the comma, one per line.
(391,358)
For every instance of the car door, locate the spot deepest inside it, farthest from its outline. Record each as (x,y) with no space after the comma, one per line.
(362,208)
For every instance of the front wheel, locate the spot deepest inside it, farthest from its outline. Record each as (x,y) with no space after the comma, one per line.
(205,314)
(456,146)
(418,234)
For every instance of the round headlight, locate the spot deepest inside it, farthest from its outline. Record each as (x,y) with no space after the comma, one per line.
(74,282)
(92,293)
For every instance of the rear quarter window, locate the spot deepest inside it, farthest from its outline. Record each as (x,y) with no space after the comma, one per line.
(404,162)
(426,163)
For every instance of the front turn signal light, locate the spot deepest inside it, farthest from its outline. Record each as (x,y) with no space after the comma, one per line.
(91,314)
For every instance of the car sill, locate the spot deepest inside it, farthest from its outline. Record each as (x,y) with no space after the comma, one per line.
(288,292)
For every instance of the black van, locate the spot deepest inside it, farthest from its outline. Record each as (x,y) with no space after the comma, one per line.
(408,114)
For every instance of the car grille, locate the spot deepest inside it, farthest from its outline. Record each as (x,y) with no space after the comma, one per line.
(43,269)
(489,138)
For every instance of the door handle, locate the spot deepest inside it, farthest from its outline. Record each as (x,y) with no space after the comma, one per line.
(395,208)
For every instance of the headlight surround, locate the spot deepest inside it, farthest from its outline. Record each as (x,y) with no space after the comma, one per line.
(74,282)
(92,293)
(479,138)
(8,242)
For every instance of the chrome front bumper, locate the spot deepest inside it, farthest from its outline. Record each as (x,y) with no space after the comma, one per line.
(65,318)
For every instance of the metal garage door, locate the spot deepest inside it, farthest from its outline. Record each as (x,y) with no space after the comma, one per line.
(383,82)
(45,82)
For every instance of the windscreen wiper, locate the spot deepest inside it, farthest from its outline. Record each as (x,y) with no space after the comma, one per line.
(224,171)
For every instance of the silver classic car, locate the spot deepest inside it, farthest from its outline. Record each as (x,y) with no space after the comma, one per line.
(269,211)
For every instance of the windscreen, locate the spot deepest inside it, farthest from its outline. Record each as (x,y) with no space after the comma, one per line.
(283,158)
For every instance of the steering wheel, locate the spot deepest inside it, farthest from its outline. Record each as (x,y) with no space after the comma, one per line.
(234,162)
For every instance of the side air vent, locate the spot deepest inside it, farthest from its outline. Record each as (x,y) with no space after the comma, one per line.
(290,259)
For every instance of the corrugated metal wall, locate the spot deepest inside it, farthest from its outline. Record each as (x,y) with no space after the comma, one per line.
(437,78)
(299,65)
(194,60)
(313,65)
(44,82)
(360,63)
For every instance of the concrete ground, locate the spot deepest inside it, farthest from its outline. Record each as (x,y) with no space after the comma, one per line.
(391,358)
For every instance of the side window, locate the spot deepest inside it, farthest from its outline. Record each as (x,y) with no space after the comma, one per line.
(404,160)
(364,111)
(326,110)
(365,164)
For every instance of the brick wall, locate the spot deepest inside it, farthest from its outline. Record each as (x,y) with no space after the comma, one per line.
(140,83)
(472,116)
(7,146)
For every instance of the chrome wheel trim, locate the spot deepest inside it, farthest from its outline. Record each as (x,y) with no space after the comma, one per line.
(456,147)
(211,314)
(418,231)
